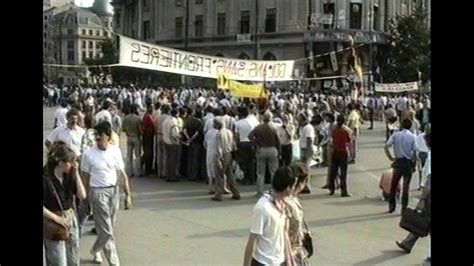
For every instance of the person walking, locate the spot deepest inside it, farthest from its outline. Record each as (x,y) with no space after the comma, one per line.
(148,136)
(341,140)
(132,127)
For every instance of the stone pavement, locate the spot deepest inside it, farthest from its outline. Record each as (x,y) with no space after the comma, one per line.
(177,224)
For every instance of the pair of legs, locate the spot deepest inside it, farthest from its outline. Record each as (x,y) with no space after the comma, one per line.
(133,150)
(246,160)
(223,175)
(265,156)
(64,253)
(401,168)
(339,163)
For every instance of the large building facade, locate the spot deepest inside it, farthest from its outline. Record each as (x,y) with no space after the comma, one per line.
(286,29)
(72,34)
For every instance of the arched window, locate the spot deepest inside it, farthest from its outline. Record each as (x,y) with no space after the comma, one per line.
(269,56)
(243,55)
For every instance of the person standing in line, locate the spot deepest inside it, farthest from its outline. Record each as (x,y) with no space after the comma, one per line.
(211,157)
(70,133)
(390,119)
(341,140)
(225,145)
(422,152)
(171,138)
(245,149)
(269,242)
(268,150)
(307,138)
(371,106)
(132,127)
(353,122)
(104,114)
(404,147)
(161,154)
(148,136)
(100,166)
(286,134)
(156,115)
(193,132)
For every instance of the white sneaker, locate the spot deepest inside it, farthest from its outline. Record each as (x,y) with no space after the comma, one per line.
(97,257)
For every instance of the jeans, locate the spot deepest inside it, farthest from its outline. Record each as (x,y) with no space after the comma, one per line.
(265,156)
(401,168)
(339,161)
(133,148)
(64,253)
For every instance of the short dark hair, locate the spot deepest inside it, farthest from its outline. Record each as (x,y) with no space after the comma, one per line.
(71,113)
(174,112)
(64,104)
(165,108)
(198,114)
(106,105)
(283,178)
(243,111)
(406,123)
(104,127)
(340,119)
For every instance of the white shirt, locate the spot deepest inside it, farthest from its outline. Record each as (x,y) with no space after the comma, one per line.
(243,127)
(269,223)
(72,137)
(170,131)
(200,101)
(103,115)
(307,132)
(401,104)
(421,143)
(102,166)
(60,116)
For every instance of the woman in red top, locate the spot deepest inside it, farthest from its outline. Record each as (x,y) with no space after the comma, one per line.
(148,135)
(341,140)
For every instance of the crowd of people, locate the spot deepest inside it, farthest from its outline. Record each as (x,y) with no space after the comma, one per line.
(167,130)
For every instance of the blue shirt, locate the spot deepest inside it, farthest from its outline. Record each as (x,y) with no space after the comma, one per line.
(404,144)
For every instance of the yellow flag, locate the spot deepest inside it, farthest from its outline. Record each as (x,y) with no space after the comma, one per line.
(238,89)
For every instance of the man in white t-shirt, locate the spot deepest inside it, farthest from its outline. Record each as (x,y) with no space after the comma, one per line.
(104,114)
(100,165)
(307,136)
(245,150)
(269,229)
(69,133)
(60,115)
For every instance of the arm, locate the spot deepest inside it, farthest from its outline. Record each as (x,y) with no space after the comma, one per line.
(81,191)
(288,257)
(55,218)
(249,249)
(387,152)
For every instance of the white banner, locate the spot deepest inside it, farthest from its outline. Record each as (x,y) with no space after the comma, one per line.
(134,53)
(396,87)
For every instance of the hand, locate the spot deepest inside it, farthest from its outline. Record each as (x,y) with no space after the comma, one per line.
(62,222)
(128,202)
(75,166)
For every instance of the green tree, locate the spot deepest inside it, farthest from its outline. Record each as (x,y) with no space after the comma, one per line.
(109,56)
(409,49)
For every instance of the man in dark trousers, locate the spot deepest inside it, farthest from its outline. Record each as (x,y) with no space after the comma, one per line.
(404,148)
(148,138)
(341,140)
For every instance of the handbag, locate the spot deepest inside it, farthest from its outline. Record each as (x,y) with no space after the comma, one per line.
(308,240)
(416,222)
(51,229)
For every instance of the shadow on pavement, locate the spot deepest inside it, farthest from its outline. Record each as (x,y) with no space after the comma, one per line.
(386,255)
(351,219)
(363,201)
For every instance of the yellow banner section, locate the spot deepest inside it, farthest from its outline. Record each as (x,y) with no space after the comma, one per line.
(238,89)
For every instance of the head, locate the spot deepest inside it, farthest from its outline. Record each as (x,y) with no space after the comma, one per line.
(301,175)
(134,109)
(218,123)
(198,114)
(157,105)
(64,104)
(107,105)
(103,134)
(165,109)
(174,112)
(60,159)
(243,111)
(303,119)
(283,180)
(72,117)
(341,119)
(406,124)
(267,117)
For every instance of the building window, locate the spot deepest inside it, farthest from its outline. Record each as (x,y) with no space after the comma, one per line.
(376,18)
(328,19)
(178,27)
(198,2)
(45,35)
(97,32)
(220,23)
(244,22)
(84,44)
(146,30)
(106,33)
(198,22)
(178,2)
(70,44)
(45,26)
(45,17)
(355,16)
(91,54)
(84,54)
(91,44)
(270,21)
(87,20)
(45,45)
(97,45)
(117,19)
(84,32)
(146,5)
(91,32)
(70,32)
(70,56)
